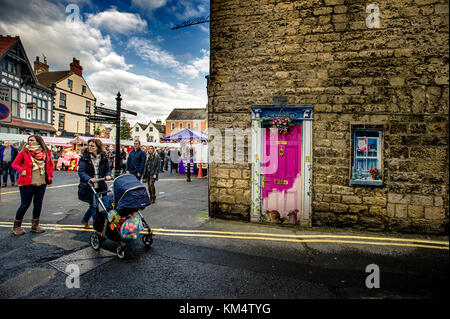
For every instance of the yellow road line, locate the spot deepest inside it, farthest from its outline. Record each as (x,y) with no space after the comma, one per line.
(306,240)
(50,187)
(69,185)
(255,236)
(164,230)
(306,236)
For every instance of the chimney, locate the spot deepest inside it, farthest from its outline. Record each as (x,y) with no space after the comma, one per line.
(76,68)
(40,67)
(158,122)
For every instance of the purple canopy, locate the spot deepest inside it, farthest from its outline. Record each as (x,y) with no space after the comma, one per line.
(187,134)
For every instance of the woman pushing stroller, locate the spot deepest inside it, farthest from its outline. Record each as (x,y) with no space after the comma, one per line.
(93,165)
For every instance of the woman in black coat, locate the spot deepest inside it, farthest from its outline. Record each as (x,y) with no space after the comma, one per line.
(93,165)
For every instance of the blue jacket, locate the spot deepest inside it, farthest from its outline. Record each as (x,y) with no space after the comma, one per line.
(136,162)
(14,153)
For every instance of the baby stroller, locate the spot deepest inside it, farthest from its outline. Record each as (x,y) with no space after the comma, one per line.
(124,220)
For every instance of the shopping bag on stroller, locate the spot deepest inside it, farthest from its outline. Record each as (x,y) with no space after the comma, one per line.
(131,227)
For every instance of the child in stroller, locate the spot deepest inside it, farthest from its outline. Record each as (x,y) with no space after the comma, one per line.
(121,219)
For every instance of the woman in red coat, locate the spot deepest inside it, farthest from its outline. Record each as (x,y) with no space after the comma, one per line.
(35,167)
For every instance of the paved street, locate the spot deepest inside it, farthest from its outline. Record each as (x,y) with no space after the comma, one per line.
(193,256)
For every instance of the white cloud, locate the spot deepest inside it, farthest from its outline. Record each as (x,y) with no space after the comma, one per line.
(105,70)
(154,54)
(149,5)
(202,64)
(150,52)
(191,9)
(117,22)
(150,98)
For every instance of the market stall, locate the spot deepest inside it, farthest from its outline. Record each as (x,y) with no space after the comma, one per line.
(186,139)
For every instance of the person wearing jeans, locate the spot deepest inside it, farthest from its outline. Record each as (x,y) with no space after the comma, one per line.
(28,194)
(151,172)
(8,154)
(93,165)
(35,166)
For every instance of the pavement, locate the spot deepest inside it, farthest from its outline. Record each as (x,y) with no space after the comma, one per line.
(194,256)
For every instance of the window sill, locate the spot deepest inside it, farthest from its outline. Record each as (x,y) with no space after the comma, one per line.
(367,182)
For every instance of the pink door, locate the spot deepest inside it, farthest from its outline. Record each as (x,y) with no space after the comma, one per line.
(281,173)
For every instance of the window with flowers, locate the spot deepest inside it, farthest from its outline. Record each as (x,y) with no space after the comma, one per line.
(366,156)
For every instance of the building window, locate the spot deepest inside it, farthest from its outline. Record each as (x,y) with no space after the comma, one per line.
(88,107)
(181,126)
(70,84)
(62,119)
(12,66)
(189,125)
(173,126)
(137,129)
(44,110)
(366,156)
(87,127)
(34,110)
(15,102)
(150,129)
(83,89)
(62,100)
(196,126)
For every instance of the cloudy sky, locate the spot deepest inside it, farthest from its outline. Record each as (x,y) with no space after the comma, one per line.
(125,46)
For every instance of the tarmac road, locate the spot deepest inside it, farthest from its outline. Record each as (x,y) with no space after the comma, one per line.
(194,257)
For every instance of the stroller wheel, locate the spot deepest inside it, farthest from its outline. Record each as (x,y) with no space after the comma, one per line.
(148,240)
(121,251)
(95,241)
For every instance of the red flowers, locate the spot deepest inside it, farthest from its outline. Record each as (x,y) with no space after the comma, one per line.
(375,173)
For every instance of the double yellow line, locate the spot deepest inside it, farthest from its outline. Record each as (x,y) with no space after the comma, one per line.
(69,185)
(337,239)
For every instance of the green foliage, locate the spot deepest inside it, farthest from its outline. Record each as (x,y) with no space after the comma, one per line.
(125,129)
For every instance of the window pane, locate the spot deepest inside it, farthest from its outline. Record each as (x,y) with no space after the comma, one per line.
(15,94)
(23,110)
(372,163)
(372,147)
(62,100)
(361,147)
(14,107)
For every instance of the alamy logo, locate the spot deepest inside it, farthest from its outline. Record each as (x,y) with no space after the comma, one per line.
(373,19)
(73,280)
(373,280)
(74,16)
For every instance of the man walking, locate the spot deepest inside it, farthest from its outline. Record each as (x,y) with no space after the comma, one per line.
(8,154)
(136,161)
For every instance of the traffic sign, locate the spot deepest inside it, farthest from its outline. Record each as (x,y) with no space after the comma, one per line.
(5,104)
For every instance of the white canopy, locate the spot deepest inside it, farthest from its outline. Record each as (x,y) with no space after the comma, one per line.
(85,139)
(13,138)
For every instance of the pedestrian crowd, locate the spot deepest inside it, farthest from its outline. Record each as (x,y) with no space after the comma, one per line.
(31,166)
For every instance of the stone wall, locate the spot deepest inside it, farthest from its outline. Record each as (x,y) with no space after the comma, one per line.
(322,53)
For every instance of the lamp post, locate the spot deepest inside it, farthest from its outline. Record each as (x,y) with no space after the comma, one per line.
(117,159)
